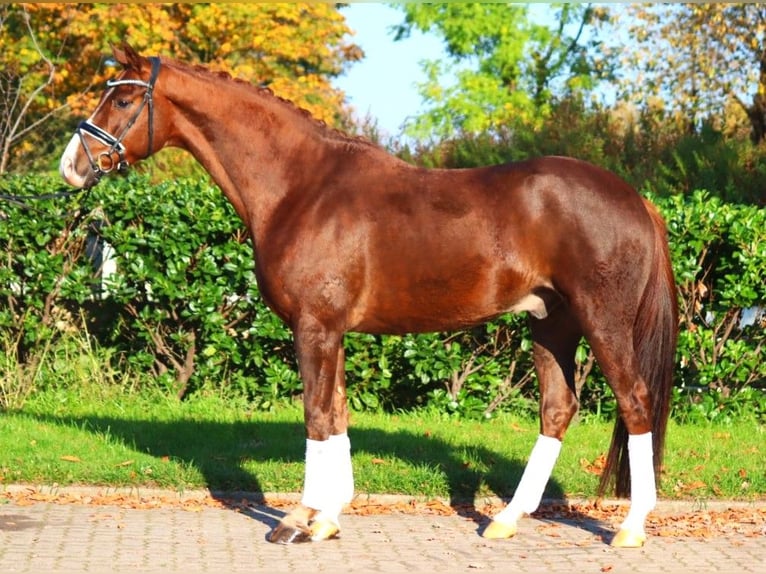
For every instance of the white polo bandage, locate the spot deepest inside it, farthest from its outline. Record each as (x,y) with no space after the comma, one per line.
(643,493)
(329,478)
(529,493)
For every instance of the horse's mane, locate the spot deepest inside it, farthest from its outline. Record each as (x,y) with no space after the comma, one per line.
(263,91)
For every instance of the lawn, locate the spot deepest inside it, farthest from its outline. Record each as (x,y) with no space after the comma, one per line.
(145,439)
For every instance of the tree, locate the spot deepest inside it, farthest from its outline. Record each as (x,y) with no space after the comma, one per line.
(506,65)
(294,49)
(26,74)
(695,59)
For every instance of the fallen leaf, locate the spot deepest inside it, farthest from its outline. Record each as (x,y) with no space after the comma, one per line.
(124,463)
(438,507)
(378,461)
(70,458)
(596,467)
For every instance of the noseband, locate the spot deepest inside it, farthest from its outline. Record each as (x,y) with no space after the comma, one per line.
(104,163)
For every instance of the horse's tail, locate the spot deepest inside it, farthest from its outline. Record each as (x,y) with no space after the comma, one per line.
(655,333)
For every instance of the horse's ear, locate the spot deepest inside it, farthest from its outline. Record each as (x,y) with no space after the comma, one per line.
(127,57)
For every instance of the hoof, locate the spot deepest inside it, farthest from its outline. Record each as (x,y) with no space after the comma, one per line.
(323,530)
(629,539)
(499,530)
(284,534)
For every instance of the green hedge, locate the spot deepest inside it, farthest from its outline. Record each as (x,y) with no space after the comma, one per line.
(183,306)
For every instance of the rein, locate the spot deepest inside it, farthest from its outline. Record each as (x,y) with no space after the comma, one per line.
(26,201)
(104,163)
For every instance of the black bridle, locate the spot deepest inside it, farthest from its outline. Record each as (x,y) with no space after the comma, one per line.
(104,163)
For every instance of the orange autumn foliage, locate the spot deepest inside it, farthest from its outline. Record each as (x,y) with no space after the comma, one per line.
(295,49)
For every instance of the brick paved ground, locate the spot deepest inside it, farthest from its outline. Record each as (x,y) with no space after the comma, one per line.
(78,538)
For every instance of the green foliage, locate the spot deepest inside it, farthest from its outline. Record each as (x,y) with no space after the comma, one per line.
(186,300)
(184,281)
(733,168)
(504,63)
(648,152)
(182,308)
(719,253)
(474,373)
(43,283)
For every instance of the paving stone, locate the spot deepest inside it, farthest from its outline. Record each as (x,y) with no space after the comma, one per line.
(57,538)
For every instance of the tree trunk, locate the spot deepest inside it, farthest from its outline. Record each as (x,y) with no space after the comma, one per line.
(5,157)
(756,113)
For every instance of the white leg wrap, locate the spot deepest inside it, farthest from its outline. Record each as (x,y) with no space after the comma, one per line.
(643,494)
(329,478)
(529,493)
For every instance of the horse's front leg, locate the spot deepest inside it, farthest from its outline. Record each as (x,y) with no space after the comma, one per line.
(328,482)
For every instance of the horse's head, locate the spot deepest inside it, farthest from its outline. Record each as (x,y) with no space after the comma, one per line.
(122,129)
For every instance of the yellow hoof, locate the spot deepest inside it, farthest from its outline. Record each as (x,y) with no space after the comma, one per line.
(323,530)
(499,530)
(629,539)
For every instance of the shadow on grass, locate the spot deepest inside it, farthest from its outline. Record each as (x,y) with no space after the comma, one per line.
(217,450)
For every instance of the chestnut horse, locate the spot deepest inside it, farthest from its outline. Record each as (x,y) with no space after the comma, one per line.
(350,238)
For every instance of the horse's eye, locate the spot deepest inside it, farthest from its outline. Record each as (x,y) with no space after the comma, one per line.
(122,104)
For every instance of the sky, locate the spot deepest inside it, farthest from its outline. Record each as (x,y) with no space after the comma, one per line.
(383,84)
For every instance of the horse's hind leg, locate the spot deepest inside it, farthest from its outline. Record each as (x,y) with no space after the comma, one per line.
(555,343)
(613,348)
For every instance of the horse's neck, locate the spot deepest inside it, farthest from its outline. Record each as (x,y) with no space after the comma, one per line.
(251,143)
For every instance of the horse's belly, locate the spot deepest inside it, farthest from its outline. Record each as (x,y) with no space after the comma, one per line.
(451,313)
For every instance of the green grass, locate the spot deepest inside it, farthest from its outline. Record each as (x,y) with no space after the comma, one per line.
(108,437)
